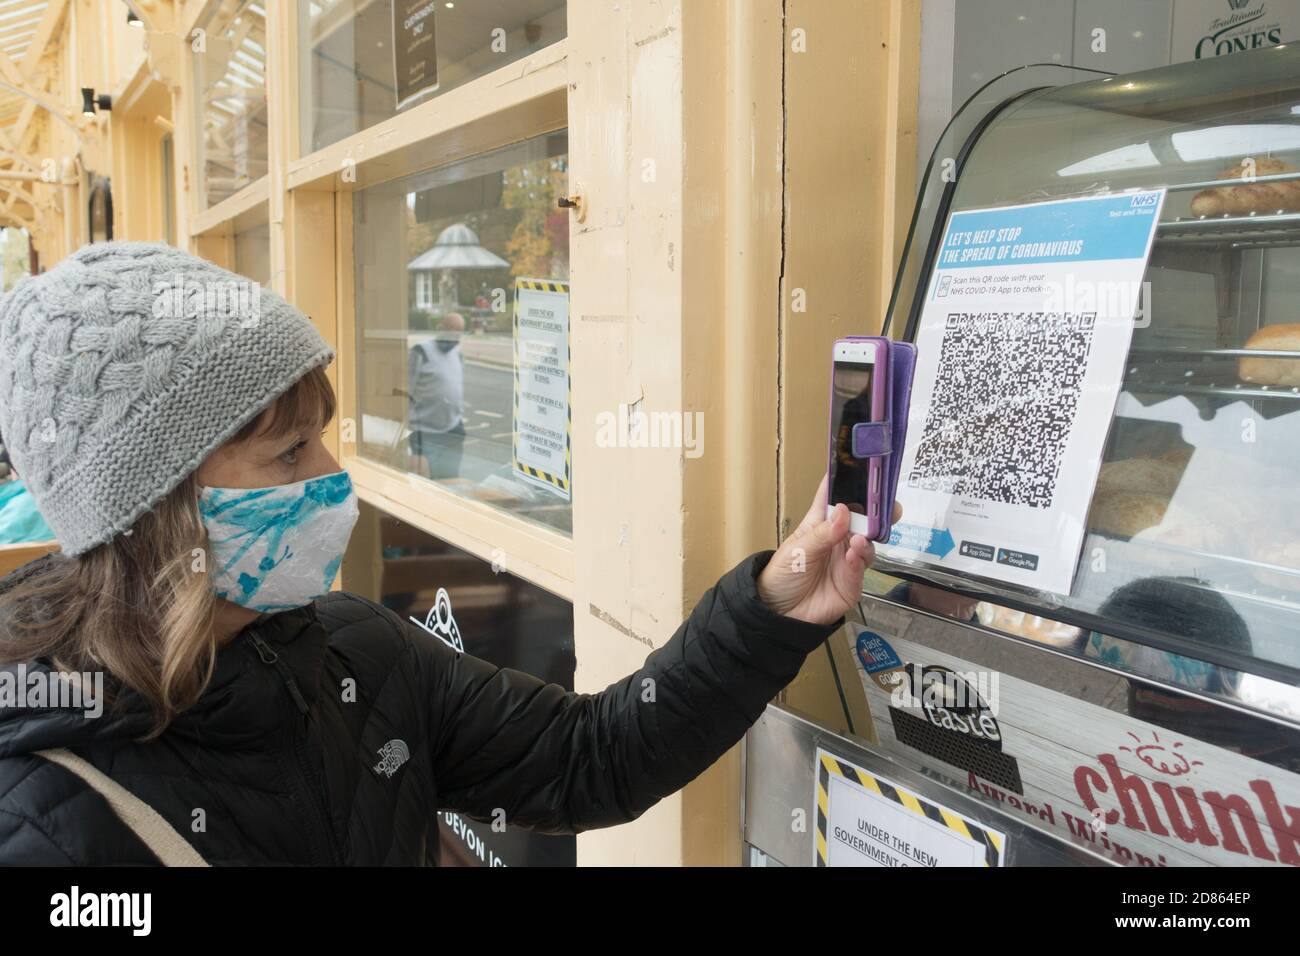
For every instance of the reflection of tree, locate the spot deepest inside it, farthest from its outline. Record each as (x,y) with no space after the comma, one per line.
(539,245)
(16,258)
(524,226)
(421,235)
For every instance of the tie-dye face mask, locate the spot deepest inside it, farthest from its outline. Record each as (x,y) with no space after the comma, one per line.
(278,548)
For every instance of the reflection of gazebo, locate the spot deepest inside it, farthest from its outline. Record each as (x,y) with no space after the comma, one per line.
(457,248)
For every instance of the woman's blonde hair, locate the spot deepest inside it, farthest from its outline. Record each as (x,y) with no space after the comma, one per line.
(141,607)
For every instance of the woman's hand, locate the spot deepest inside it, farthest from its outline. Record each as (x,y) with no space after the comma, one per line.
(816,574)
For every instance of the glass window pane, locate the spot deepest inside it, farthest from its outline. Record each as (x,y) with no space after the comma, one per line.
(441,258)
(230,77)
(100,217)
(473,606)
(358,66)
(253,253)
(168,187)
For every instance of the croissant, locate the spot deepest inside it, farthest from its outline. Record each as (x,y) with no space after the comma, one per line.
(1272,371)
(1253,197)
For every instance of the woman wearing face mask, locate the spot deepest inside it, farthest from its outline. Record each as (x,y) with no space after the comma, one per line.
(247,714)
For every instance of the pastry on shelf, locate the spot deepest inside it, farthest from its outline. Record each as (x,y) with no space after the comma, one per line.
(1044,630)
(1282,552)
(1191,529)
(1153,475)
(1124,513)
(1179,456)
(1253,197)
(1272,371)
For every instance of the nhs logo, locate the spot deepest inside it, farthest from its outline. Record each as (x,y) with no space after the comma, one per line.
(1144,200)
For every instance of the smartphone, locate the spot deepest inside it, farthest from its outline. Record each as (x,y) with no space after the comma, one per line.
(859,382)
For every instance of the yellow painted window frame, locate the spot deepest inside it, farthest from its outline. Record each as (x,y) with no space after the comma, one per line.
(216,241)
(237,206)
(523,99)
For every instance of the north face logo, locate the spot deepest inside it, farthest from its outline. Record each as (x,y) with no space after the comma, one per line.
(391,756)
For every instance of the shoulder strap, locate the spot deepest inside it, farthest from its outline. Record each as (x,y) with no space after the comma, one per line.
(158,835)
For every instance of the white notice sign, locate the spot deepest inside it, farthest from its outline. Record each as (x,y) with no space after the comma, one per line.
(542,421)
(1021,346)
(866,820)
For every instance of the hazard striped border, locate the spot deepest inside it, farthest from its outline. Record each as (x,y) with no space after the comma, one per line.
(827,764)
(562,482)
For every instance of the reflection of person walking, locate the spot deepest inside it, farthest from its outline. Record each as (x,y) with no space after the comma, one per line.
(436,372)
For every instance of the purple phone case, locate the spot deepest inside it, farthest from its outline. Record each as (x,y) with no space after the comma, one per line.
(885,438)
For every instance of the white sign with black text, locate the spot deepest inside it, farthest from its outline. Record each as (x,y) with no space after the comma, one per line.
(1021,344)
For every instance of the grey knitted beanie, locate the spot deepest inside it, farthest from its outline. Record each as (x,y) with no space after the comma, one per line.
(124,366)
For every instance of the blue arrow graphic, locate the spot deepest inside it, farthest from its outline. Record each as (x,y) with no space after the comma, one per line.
(913,537)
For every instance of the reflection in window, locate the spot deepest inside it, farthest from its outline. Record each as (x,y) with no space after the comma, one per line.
(471,605)
(101,209)
(439,257)
(1222,142)
(357,65)
(230,75)
(168,187)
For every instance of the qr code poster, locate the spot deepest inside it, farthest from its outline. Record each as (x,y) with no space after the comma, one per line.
(1021,347)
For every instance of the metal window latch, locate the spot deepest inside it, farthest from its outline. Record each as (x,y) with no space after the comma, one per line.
(575,202)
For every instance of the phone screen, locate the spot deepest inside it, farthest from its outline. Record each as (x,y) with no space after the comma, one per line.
(851,395)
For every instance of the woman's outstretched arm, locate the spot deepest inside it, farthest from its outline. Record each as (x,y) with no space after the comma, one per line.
(508,746)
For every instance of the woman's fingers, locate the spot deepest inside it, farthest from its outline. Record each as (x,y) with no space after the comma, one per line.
(828,532)
(820,498)
(847,574)
(860,550)
(817,513)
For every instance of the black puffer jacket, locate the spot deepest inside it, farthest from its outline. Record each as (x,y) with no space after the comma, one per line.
(286,771)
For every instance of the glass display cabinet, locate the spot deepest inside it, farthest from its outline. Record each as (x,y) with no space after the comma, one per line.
(1148,713)
(1192,510)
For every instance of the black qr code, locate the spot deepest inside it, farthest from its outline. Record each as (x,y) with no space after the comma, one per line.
(1004,401)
